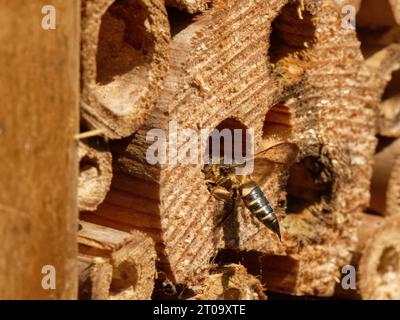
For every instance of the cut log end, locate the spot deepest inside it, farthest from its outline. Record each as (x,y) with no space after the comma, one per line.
(95,276)
(380,263)
(122,266)
(95,174)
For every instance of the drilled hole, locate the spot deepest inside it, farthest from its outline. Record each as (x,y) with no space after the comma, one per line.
(376,26)
(290,34)
(124,277)
(308,184)
(277,123)
(230,140)
(178,20)
(125,49)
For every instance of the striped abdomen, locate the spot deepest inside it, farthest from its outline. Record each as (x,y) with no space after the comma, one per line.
(257,203)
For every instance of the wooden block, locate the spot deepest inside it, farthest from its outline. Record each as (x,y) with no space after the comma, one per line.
(131,257)
(124,60)
(95,174)
(39,86)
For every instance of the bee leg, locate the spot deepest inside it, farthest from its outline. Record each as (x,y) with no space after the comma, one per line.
(220,193)
(233,203)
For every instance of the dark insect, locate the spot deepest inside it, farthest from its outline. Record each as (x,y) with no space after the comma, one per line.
(225,185)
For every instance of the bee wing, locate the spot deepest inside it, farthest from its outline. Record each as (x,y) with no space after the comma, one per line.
(284,153)
(262,170)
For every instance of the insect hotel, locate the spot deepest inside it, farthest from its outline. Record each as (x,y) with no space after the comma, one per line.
(119,127)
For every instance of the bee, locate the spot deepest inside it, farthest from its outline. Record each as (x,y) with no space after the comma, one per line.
(225,185)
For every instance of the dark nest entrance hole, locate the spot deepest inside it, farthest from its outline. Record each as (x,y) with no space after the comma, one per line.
(309,183)
(178,20)
(277,123)
(231,140)
(290,34)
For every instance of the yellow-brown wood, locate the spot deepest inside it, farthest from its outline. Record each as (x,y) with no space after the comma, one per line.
(309,87)
(126,262)
(39,86)
(124,59)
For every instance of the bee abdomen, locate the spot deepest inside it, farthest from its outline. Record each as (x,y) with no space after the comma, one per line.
(257,203)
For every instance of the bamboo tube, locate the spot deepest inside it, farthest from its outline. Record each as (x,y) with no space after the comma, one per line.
(384,67)
(95,175)
(379,271)
(124,60)
(393,190)
(389,121)
(385,180)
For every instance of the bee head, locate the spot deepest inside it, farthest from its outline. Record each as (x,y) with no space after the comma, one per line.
(207,168)
(225,170)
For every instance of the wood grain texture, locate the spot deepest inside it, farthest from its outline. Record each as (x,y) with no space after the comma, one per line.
(124,60)
(310,87)
(126,262)
(39,86)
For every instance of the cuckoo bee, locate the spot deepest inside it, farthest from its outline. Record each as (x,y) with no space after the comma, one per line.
(225,185)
